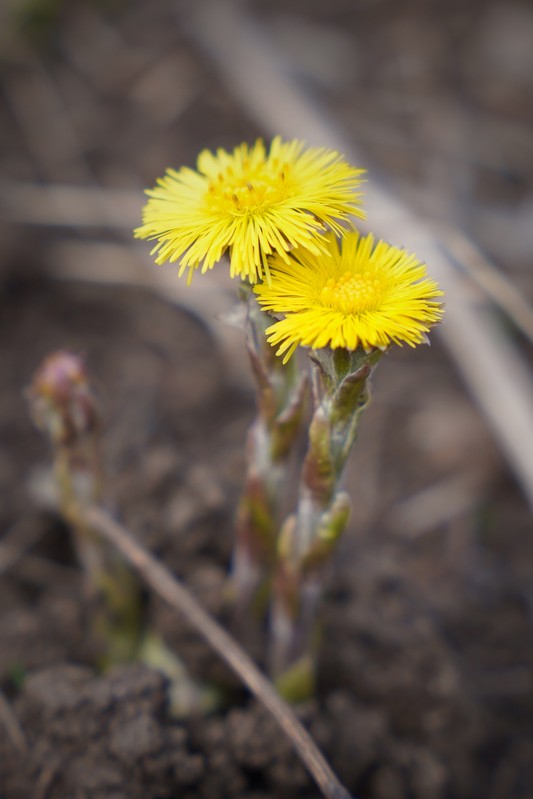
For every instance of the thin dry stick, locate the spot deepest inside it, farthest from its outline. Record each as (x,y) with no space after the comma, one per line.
(491,279)
(169,588)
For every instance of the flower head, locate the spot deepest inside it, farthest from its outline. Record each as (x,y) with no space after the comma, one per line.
(354,295)
(252,203)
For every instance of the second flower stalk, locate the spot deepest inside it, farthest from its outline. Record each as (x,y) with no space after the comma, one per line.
(281,391)
(287,560)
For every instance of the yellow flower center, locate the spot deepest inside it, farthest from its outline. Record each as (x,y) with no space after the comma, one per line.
(248,189)
(352,293)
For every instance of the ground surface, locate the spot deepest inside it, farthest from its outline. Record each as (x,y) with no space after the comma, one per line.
(427,665)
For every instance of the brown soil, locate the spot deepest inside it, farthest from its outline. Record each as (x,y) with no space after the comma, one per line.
(426,672)
(424,679)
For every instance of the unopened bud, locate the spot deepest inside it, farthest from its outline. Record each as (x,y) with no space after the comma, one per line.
(61,402)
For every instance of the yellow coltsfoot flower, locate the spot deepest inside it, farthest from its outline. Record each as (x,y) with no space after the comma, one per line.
(252,203)
(353,295)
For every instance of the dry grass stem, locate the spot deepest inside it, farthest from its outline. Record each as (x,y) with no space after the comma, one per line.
(161,580)
(489,278)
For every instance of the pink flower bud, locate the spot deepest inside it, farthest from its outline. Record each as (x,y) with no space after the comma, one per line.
(61,401)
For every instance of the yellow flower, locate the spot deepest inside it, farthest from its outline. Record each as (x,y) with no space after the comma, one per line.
(352,296)
(251,202)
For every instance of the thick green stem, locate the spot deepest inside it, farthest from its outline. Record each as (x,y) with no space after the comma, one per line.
(340,394)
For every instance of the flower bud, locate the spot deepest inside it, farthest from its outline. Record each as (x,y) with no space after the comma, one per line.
(61,401)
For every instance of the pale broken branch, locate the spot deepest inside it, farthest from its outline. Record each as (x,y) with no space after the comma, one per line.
(489,278)
(163,582)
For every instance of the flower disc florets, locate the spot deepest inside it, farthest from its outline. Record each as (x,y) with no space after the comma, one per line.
(353,295)
(252,203)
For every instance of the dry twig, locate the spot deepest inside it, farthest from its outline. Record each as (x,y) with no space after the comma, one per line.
(160,579)
(491,279)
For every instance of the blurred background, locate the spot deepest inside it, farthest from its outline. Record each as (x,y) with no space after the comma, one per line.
(433,598)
